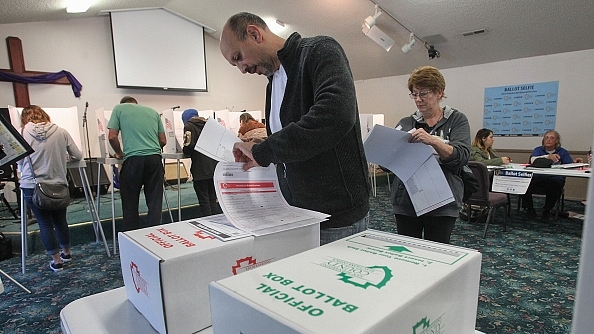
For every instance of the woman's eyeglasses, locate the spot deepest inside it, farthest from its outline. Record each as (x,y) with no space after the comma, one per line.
(422,95)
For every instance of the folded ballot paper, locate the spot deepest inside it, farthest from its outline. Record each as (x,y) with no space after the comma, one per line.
(216,141)
(251,200)
(413,163)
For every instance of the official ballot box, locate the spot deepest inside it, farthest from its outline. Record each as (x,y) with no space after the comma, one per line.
(167,268)
(371,282)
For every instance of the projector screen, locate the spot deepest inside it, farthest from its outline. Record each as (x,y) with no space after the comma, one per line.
(156,48)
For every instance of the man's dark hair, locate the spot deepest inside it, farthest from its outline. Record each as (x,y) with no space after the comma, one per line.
(239,22)
(128,99)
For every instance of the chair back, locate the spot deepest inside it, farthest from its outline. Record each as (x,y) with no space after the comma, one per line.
(480,197)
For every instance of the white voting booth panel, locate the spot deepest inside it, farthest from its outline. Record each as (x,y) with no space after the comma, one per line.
(102,117)
(371,282)
(368,121)
(167,268)
(169,125)
(66,118)
(106,313)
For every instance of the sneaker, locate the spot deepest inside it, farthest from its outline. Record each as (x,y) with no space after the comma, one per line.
(530,213)
(546,215)
(65,257)
(56,266)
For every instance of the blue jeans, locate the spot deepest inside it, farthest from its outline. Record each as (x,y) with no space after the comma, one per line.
(53,226)
(333,234)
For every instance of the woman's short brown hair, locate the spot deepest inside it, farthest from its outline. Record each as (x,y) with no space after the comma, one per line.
(427,77)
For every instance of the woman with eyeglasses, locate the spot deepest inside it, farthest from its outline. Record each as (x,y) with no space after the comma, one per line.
(550,185)
(482,149)
(447,131)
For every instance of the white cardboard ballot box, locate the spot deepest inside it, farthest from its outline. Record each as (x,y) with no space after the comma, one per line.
(167,268)
(371,282)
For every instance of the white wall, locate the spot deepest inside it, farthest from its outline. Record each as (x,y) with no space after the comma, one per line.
(465,91)
(83,47)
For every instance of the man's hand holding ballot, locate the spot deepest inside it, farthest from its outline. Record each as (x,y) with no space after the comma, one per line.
(242,152)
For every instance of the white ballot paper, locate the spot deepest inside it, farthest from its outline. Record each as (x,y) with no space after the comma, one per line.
(252,200)
(219,226)
(216,141)
(413,163)
(428,188)
(390,148)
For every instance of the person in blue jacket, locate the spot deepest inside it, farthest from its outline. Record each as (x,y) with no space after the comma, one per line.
(551,185)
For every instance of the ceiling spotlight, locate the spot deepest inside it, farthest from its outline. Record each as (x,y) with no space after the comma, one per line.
(408,46)
(432,52)
(376,34)
(370,20)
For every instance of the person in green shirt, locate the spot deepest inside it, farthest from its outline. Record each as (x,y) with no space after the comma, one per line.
(143,137)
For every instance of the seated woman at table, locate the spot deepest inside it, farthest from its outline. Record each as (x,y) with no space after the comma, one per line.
(550,185)
(482,149)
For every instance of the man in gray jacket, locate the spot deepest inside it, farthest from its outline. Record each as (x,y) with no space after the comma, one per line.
(314,135)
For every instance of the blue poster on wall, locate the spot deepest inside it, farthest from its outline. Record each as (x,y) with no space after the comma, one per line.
(521,110)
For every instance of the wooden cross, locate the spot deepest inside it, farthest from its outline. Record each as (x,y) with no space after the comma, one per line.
(17,66)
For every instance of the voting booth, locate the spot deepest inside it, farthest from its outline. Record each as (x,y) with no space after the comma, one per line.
(371,282)
(167,268)
(368,121)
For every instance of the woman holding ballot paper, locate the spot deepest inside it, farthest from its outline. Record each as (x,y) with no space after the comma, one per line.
(447,131)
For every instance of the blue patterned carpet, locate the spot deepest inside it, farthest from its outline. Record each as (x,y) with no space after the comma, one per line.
(528,275)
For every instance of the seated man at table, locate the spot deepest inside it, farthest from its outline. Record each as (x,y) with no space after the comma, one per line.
(550,185)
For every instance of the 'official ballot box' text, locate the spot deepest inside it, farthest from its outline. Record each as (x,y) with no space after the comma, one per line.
(372,282)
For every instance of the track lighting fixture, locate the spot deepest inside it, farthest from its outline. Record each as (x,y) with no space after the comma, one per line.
(370,20)
(432,52)
(408,46)
(385,41)
(376,34)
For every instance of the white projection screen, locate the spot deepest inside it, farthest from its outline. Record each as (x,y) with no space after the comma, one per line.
(159,49)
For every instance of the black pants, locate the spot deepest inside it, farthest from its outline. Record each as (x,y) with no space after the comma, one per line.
(207,197)
(434,228)
(550,186)
(137,172)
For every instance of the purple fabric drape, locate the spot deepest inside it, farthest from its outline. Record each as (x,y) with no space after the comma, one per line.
(44,78)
